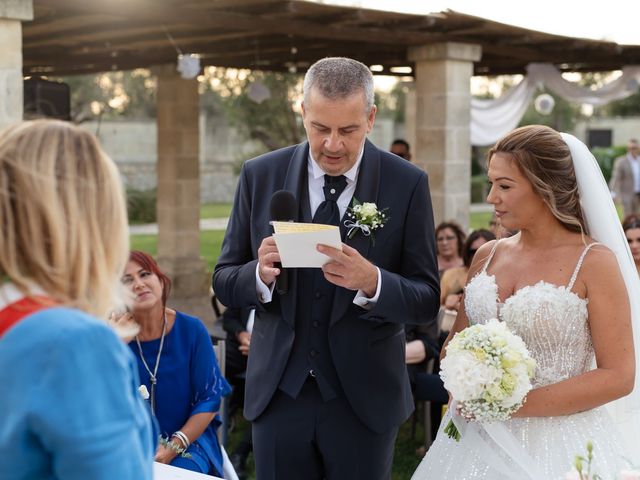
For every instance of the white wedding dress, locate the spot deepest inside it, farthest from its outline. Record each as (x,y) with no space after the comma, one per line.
(552,321)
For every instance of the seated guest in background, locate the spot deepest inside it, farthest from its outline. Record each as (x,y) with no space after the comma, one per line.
(401,148)
(238,323)
(494,225)
(69,407)
(421,340)
(449,240)
(422,345)
(498,230)
(454,279)
(631,227)
(177,364)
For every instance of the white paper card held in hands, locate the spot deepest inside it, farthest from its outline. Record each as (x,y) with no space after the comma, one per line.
(297,243)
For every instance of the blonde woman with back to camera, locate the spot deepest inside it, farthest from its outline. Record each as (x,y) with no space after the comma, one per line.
(69,407)
(566,284)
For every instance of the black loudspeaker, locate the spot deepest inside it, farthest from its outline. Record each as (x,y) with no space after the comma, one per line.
(43,98)
(600,137)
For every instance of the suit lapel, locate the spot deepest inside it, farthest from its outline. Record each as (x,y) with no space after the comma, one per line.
(629,169)
(366,191)
(295,182)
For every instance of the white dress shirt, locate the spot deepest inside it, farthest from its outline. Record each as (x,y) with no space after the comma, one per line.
(316,182)
(635,168)
(316,197)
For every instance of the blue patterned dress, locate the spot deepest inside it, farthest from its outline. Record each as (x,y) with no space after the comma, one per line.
(189,382)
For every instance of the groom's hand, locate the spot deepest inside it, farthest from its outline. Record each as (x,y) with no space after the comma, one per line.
(268,256)
(348,269)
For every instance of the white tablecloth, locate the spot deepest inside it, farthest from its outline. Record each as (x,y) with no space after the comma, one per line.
(167,472)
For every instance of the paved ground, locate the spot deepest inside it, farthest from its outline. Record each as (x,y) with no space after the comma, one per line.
(480,207)
(221,223)
(205,224)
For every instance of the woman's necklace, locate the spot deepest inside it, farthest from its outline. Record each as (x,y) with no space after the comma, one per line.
(153,376)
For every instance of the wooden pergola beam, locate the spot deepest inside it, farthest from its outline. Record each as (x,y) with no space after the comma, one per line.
(77,35)
(246,22)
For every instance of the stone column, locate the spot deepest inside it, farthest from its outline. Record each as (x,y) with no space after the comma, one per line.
(178,204)
(443,147)
(12,14)
(410,111)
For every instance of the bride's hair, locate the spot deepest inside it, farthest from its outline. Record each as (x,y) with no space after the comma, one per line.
(545,160)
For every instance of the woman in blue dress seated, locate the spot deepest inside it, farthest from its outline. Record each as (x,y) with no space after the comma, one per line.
(177,365)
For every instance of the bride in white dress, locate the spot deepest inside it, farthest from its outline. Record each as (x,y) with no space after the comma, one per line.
(567,296)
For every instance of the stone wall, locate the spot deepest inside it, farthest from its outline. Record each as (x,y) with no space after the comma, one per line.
(10,71)
(133,147)
(12,14)
(133,144)
(622,128)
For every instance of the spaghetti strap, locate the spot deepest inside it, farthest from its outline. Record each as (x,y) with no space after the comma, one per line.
(488,260)
(579,264)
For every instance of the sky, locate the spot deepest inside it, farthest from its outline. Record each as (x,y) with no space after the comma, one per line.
(613,20)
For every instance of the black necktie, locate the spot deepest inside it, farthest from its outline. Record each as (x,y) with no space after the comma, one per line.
(328,211)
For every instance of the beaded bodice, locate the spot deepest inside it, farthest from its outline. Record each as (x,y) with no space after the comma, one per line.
(552,320)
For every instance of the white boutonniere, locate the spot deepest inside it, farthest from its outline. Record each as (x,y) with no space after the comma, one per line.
(365,217)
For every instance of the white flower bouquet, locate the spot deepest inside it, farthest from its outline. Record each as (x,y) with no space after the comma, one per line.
(488,371)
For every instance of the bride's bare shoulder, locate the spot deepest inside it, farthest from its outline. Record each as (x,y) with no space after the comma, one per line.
(484,251)
(600,259)
(481,257)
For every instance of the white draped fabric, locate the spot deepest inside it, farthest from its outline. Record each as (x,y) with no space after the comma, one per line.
(603,225)
(491,119)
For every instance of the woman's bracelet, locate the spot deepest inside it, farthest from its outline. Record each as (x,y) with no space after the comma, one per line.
(172,446)
(183,438)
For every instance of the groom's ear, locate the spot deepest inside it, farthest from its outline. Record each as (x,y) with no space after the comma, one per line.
(303,114)
(371,118)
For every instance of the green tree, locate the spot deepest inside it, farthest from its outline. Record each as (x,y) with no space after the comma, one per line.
(274,122)
(113,95)
(392,104)
(627,107)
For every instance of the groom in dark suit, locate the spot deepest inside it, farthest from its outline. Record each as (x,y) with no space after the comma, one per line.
(326,385)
